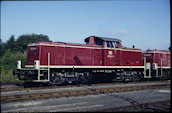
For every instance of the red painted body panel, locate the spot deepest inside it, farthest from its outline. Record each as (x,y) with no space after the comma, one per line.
(83,55)
(33,54)
(154,56)
(78,56)
(122,58)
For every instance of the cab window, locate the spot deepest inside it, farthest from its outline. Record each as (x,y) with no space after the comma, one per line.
(116,45)
(109,44)
(99,42)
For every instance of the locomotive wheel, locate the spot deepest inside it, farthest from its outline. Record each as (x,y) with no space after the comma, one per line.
(135,78)
(127,78)
(59,80)
(82,80)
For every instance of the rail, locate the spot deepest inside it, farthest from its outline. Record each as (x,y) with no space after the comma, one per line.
(89,91)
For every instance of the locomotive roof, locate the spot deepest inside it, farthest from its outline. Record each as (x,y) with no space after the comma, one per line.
(156,51)
(106,39)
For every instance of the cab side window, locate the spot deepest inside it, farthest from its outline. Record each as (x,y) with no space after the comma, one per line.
(109,44)
(99,42)
(116,45)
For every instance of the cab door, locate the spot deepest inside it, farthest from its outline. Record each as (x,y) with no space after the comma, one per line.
(109,54)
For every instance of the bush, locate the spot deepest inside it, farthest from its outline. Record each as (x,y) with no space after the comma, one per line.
(7,76)
(9,63)
(9,60)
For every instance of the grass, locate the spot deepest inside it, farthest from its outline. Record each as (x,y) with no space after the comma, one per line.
(7,76)
(27,89)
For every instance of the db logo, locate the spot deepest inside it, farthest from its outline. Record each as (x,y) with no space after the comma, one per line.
(110,54)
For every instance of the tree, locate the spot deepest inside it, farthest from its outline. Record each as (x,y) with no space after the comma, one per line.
(23,40)
(11,44)
(9,59)
(1,48)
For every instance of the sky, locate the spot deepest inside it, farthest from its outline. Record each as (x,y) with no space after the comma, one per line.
(143,23)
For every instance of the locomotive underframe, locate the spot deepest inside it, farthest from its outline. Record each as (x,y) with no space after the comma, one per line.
(80,75)
(161,73)
(86,74)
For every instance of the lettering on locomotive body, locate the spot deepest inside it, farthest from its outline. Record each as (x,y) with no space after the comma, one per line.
(147,55)
(137,62)
(33,48)
(110,54)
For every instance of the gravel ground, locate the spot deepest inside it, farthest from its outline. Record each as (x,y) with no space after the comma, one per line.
(89,102)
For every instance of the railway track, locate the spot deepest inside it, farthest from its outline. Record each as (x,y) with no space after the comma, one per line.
(15,88)
(20,88)
(89,91)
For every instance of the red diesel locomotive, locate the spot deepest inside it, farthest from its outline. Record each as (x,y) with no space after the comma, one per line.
(100,59)
(159,60)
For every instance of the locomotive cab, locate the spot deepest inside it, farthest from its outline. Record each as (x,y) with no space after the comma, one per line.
(104,42)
